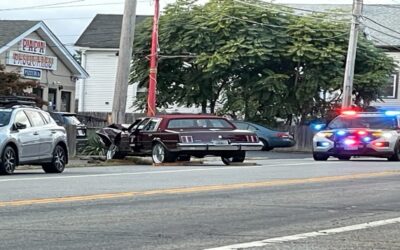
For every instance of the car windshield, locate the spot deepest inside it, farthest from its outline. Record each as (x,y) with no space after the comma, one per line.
(373,122)
(70,119)
(199,123)
(5,116)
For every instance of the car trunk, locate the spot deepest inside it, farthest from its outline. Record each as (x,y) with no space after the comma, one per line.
(215,136)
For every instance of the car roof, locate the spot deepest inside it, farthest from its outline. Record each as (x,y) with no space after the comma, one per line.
(187,116)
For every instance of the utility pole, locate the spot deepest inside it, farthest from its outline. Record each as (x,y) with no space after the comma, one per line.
(351,54)
(124,62)
(151,95)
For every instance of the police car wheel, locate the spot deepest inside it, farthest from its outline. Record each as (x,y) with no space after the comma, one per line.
(320,157)
(344,157)
(396,154)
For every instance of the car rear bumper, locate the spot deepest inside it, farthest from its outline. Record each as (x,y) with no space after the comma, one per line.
(219,147)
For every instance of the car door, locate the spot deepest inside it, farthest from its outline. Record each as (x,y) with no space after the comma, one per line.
(146,135)
(45,134)
(28,139)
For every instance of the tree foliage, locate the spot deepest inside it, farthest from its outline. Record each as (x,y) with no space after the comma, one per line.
(262,62)
(11,84)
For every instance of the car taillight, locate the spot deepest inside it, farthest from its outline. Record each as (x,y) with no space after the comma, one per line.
(187,138)
(282,135)
(251,138)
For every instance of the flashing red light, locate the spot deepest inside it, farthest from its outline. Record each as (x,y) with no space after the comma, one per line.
(349,112)
(381,144)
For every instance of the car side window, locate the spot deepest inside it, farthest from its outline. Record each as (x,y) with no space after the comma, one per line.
(240,125)
(252,128)
(35,118)
(22,118)
(151,126)
(47,118)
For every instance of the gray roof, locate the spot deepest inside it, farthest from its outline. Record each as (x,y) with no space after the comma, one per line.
(387,34)
(11,29)
(104,32)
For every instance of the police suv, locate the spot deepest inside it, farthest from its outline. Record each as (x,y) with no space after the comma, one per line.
(352,133)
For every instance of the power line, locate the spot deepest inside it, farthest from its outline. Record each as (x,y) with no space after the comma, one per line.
(381,25)
(387,44)
(308,10)
(272,25)
(291,13)
(59,7)
(41,6)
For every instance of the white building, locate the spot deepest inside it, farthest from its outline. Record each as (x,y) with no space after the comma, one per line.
(99,46)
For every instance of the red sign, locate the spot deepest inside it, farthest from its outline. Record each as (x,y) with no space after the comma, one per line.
(33,46)
(32,60)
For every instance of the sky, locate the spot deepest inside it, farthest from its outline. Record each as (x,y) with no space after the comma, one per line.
(68,18)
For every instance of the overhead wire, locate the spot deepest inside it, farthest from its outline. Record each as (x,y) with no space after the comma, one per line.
(291,13)
(41,6)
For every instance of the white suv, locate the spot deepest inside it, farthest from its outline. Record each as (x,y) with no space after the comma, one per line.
(30,136)
(359,134)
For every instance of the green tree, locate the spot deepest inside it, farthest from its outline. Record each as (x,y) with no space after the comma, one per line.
(262,62)
(11,84)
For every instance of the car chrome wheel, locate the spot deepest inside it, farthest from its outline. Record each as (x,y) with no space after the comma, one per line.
(9,161)
(58,162)
(158,153)
(59,159)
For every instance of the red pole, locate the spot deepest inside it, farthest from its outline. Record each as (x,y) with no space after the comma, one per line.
(151,98)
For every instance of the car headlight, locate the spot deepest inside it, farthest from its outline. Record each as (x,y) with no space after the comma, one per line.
(387,135)
(324,134)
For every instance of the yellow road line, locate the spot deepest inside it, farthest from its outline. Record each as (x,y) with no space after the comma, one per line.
(198,189)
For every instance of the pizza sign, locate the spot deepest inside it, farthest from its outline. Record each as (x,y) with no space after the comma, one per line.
(33,46)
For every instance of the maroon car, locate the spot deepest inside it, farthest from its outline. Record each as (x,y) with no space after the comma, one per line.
(170,138)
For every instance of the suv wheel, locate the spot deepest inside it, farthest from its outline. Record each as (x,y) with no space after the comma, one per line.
(320,157)
(57,164)
(396,154)
(8,161)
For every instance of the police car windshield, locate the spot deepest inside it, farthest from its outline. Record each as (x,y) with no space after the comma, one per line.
(373,122)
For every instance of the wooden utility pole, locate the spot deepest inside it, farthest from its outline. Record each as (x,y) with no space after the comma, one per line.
(124,62)
(351,54)
(151,95)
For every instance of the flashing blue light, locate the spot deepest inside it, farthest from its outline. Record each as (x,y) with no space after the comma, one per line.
(392,113)
(318,126)
(341,132)
(325,144)
(367,139)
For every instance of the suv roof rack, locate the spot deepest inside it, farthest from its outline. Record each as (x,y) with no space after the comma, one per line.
(11,101)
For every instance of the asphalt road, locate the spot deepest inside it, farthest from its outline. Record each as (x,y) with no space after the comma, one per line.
(273,201)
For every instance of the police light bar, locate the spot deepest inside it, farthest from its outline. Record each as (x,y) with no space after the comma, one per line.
(392,113)
(349,112)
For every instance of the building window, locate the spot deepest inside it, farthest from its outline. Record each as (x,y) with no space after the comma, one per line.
(390,89)
(66,101)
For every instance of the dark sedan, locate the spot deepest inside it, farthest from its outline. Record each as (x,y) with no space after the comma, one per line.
(170,138)
(270,138)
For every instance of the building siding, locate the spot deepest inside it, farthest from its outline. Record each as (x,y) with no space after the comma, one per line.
(99,88)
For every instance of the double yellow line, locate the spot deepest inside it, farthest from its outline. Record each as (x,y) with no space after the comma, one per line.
(184,190)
